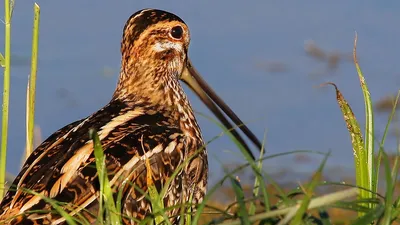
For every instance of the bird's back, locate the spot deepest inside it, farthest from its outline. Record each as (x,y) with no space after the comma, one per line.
(63,167)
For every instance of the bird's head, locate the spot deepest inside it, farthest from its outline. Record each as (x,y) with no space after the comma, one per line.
(154,52)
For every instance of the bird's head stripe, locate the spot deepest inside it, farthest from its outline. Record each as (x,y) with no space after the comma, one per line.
(145,18)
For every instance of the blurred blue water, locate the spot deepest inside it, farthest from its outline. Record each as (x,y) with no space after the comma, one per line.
(79,64)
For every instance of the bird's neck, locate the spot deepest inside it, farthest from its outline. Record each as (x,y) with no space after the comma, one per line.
(162,95)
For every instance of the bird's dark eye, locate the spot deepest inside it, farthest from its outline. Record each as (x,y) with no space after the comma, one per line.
(177,32)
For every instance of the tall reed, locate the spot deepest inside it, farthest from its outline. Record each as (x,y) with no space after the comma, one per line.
(6,94)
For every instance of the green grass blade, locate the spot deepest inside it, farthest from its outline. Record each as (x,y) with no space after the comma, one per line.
(68,218)
(356,206)
(6,95)
(242,211)
(386,220)
(395,171)
(119,201)
(12,4)
(2,61)
(30,108)
(394,175)
(369,122)
(188,216)
(371,216)
(395,168)
(360,156)
(375,178)
(309,191)
(105,188)
(157,204)
(396,210)
(100,171)
(256,189)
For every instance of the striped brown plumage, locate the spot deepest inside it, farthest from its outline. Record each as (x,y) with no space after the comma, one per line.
(148,118)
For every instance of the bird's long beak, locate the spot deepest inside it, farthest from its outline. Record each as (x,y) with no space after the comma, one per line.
(193,79)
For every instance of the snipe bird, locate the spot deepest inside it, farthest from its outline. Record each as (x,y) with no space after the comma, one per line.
(148,119)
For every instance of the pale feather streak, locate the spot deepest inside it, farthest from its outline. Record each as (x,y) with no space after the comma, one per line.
(72,165)
(167,45)
(33,201)
(171,147)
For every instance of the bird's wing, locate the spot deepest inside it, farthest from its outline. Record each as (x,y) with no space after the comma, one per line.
(63,166)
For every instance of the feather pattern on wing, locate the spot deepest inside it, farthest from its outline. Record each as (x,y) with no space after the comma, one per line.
(66,171)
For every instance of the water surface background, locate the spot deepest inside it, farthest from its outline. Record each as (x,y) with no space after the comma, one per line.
(234,45)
